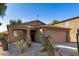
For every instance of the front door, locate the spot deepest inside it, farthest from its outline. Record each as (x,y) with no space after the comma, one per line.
(32,34)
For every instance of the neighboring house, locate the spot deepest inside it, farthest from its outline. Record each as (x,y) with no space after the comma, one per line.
(3,41)
(72,23)
(4,35)
(34,29)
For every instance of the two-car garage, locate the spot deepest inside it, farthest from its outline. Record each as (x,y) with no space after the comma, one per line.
(57,34)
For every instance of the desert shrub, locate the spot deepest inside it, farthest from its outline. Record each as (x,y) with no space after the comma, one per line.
(48,46)
(4,43)
(21,45)
(28,40)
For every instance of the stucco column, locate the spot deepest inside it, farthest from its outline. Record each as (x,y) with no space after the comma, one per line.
(42,38)
(28,39)
(28,34)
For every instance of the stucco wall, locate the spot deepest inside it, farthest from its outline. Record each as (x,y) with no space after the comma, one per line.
(11,36)
(38,35)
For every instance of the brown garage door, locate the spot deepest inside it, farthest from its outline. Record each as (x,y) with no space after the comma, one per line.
(57,36)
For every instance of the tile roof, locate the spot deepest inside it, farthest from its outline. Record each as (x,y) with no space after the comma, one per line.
(68,19)
(26,23)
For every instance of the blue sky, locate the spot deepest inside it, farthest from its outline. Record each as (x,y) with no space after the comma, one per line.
(47,12)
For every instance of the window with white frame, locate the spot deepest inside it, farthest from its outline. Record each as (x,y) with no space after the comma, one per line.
(66,23)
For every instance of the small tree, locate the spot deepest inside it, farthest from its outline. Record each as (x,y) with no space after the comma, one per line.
(15,22)
(3,8)
(54,22)
(12,22)
(19,21)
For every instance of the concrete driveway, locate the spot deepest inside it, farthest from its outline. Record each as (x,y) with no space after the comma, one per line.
(67,49)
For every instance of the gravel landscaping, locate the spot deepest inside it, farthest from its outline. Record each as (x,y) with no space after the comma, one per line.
(65,49)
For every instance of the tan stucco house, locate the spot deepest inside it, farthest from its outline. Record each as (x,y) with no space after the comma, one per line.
(72,23)
(63,31)
(33,30)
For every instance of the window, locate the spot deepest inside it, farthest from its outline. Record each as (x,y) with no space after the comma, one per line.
(66,23)
(15,33)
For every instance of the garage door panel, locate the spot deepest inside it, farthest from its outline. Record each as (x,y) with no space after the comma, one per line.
(57,36)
